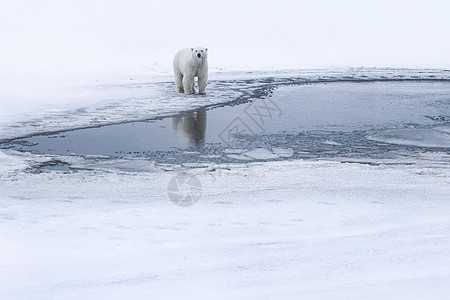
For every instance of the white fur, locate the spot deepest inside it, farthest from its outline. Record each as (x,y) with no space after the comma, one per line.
(187,65)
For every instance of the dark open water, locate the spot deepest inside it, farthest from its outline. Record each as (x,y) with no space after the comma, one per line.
(339,120)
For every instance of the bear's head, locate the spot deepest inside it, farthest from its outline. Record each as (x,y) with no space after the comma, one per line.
(199,53)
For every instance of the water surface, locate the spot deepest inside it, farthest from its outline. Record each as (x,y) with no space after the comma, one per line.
(344,120)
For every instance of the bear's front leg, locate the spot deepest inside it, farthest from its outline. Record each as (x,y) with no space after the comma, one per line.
(188,83)
(202,82)
(193,86)
(179,82)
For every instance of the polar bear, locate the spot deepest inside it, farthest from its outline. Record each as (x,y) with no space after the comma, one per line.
(188,64)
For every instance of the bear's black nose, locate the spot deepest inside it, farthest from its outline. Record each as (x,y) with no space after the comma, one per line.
(199,55)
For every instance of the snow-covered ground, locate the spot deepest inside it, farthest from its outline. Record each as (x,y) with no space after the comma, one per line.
(291,229)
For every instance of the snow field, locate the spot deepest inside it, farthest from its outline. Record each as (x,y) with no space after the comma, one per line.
(281,229)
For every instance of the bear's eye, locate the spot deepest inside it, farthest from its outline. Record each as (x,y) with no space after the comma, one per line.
(202,50)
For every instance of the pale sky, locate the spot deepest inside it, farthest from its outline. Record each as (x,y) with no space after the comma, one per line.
(71,36)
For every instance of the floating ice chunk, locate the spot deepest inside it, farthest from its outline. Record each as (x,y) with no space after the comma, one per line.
(194,165)
(261,153)
(135,165)
(436,137)
(191,152)
(445,129)
(239,157)
(283,152)
(96,156)
(234,151)
(212,156)
(332,143)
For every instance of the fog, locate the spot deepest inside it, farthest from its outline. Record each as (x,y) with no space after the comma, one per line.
(83,38)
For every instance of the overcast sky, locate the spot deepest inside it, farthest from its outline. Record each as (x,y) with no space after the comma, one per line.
(72,37)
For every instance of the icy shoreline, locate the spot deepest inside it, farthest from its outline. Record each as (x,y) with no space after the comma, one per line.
(96,104)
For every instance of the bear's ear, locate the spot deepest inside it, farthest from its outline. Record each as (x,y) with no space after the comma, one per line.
(192,49)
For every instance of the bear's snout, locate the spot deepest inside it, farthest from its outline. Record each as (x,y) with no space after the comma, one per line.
(199,55)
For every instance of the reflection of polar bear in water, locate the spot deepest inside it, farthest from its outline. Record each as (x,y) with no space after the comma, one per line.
(188,64)
(192,126)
